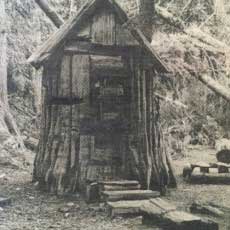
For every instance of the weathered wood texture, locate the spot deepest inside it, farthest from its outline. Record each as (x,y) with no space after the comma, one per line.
(86,114)
(69,155)
(125,208)
(72,149)
(57,39)
(58,164)
(86,47)
(146,144)
(159,65)
(129,195)
(104,28)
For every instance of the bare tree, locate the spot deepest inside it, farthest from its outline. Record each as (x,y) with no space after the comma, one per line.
(7,123)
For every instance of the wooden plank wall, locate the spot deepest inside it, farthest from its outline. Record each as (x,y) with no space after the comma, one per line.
(62,158)
(80,76)
(105,28)
(123,36)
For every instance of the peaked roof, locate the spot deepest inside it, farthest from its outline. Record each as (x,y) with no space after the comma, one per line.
(57,39)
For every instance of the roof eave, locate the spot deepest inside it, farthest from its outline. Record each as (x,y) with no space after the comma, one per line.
(51,44)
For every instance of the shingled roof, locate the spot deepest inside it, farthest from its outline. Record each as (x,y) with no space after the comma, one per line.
(58,38)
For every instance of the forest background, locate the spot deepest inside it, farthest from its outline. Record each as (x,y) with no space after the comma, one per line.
(192,37)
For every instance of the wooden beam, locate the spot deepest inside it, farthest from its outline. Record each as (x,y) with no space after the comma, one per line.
(87,48)
(57,39)
(50,13)
(65,101)
(101,61)
(143,41)
(198,37)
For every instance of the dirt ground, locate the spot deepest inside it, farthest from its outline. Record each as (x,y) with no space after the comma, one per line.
(35,210)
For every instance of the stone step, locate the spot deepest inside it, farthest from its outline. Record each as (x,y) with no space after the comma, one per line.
(129,195)
(125,208)
(120,183)
(119,187)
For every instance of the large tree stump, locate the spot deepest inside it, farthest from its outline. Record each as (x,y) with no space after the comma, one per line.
(147,146)
(60,166)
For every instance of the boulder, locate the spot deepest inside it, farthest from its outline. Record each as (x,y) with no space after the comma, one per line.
(223,156)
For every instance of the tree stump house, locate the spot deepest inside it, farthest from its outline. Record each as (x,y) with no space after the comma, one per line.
(100,117)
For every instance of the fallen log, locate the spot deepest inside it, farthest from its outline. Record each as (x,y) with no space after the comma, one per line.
(215,86)
(193,32)
(50,13)
(163,214)
(205,209)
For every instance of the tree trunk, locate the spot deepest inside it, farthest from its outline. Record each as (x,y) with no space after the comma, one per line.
(7,123)
(146,17)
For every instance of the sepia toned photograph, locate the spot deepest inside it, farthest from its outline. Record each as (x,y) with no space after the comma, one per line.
(114,115)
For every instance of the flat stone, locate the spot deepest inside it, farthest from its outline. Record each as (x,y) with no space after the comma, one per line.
(125,208)
(163,204)
(178,220)
(120,187)
(161,213)
(201,164)
(129,195)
